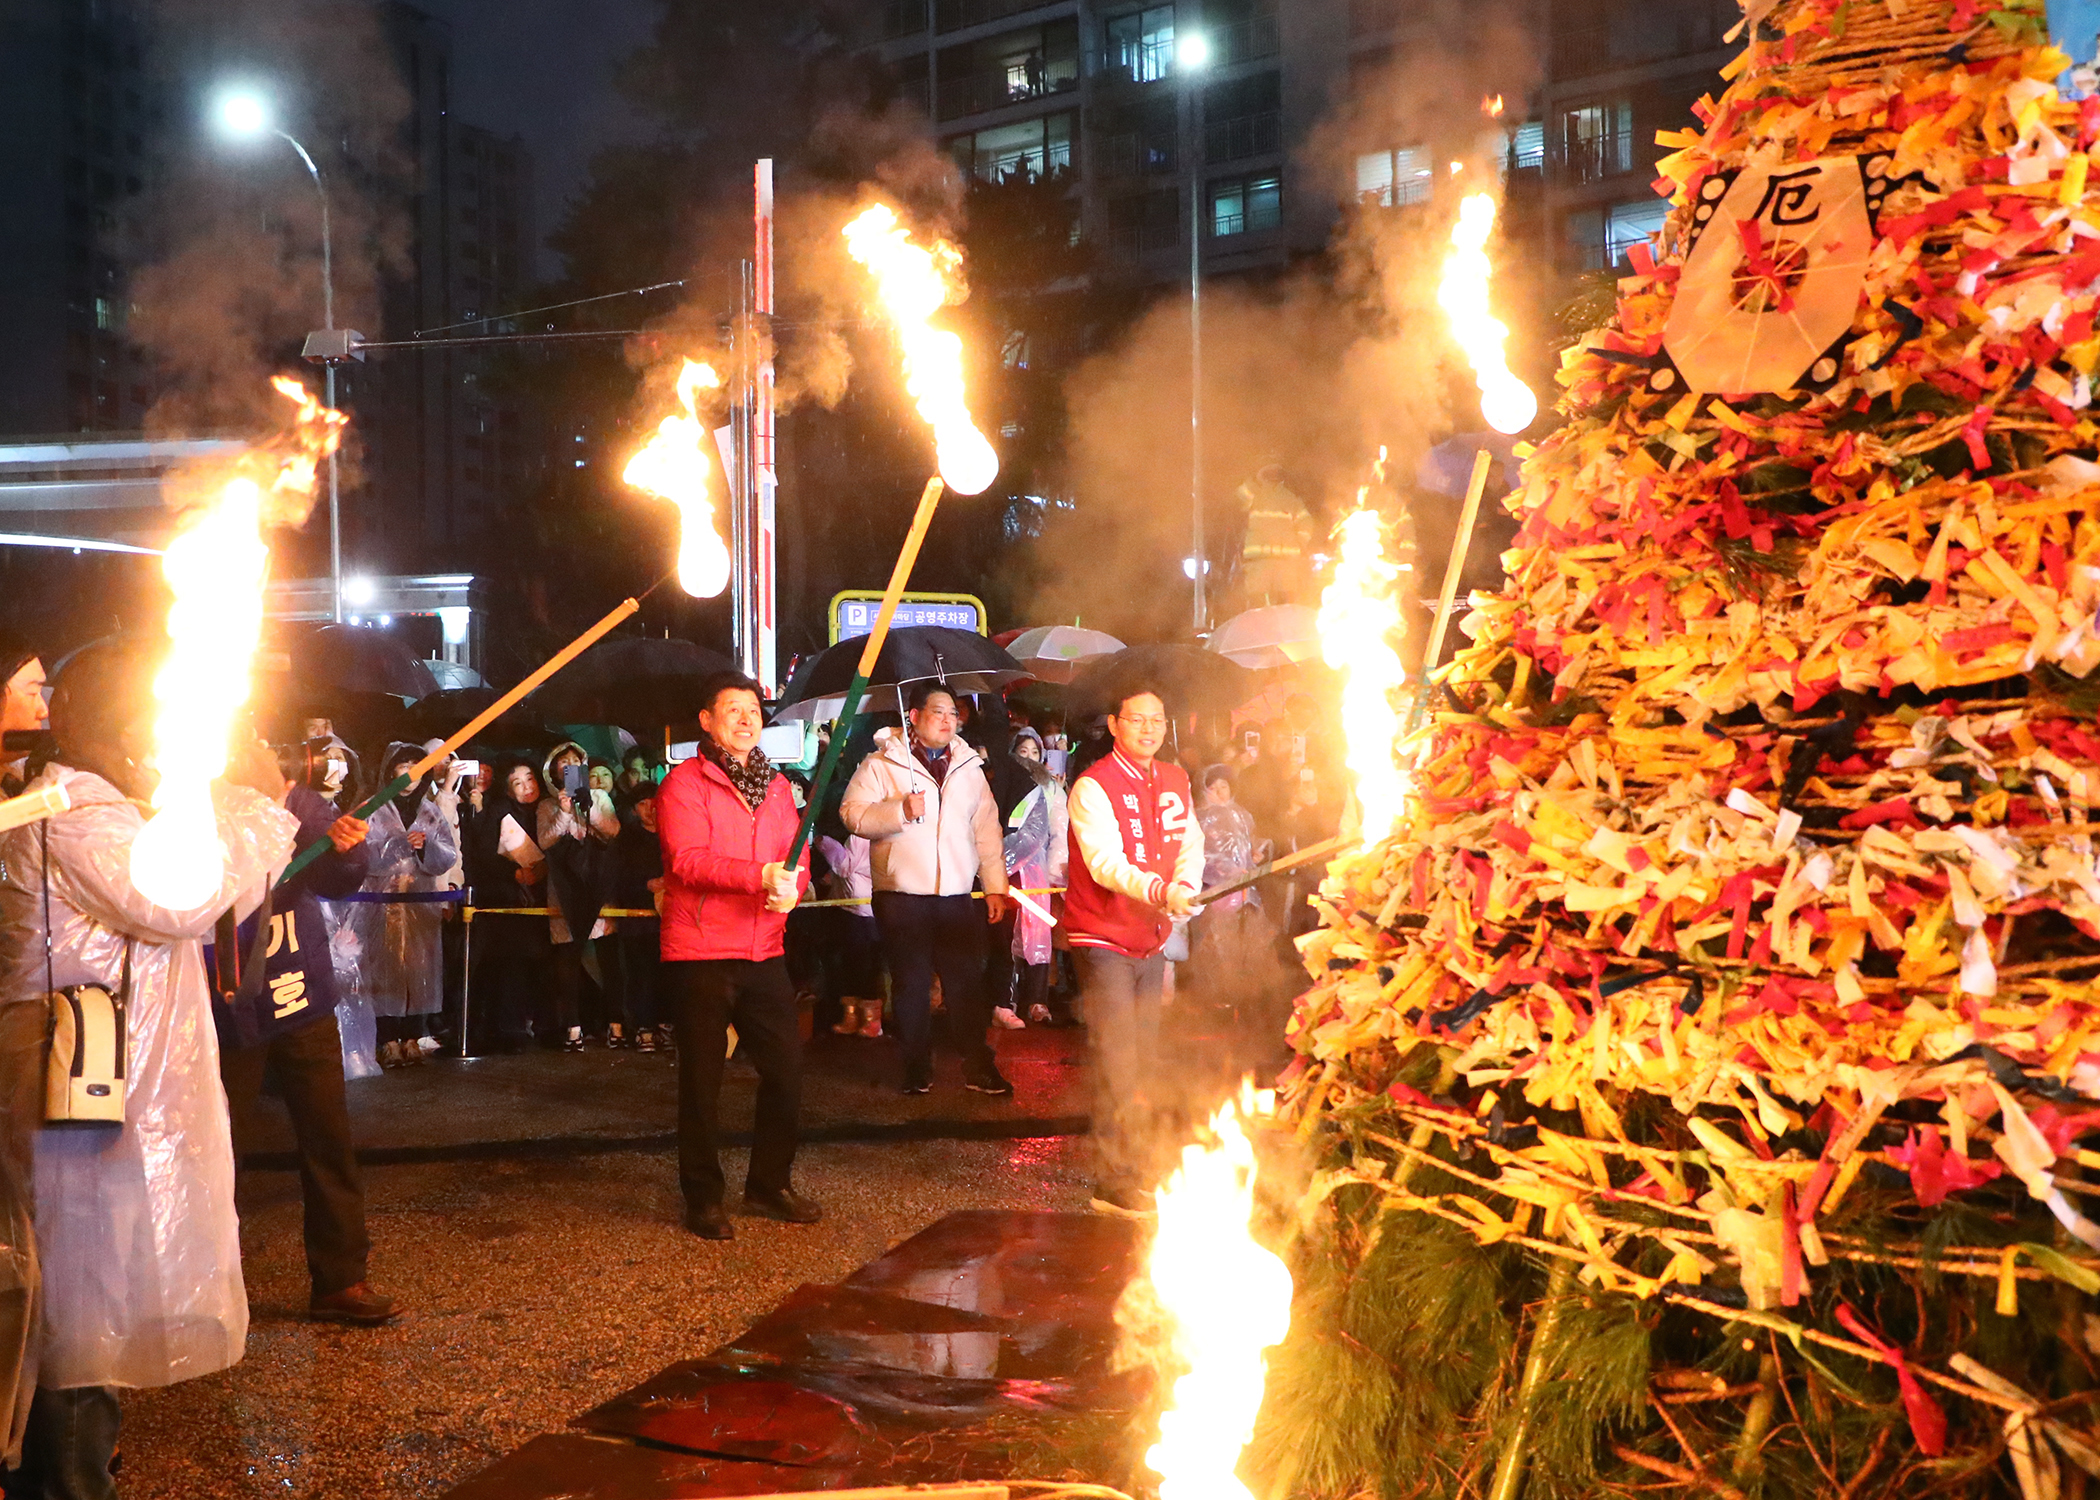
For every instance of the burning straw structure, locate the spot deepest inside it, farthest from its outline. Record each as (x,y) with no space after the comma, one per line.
(1700,1067)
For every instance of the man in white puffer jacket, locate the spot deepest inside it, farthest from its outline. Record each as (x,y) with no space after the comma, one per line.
(923,803)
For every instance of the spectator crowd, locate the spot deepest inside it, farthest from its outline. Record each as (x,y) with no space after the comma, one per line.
(967,865)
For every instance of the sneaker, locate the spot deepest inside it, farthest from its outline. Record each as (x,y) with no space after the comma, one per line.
(1130,1203)
(1039,1015)
(990,1081)
(918,1083)
(666,1039)
(615,1039)
(354,1304)
(645,1039)
(787,1205)
(574,1043)
(1005,1018)
(871,1020)
(390,1055)
(849,1018)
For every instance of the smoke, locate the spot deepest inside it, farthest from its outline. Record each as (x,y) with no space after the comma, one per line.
(228,274)
(1306,372)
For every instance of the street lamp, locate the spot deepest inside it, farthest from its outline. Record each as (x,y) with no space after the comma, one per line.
(243,114)
(1192,53)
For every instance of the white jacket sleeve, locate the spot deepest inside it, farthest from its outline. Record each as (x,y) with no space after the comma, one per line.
(1188,865)
(991,843)
(90,853)
(868,807)
(1101,844)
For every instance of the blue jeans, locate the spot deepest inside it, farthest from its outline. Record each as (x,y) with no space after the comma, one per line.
(72,1438)
(1121,997)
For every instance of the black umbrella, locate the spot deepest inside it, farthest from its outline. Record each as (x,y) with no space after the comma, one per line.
(1190,679)
(964,660)
(641,683)
(313,665)
(438,715)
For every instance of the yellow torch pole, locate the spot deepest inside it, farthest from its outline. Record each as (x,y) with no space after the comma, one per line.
(1454,568)
(474,726)
(900,575)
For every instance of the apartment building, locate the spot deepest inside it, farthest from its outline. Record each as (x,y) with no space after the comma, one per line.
(1235,118)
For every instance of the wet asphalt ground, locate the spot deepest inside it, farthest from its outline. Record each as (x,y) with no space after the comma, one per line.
(527,1209)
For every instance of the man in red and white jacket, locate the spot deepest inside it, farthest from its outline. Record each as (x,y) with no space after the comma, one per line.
(727,820)
(1136,863)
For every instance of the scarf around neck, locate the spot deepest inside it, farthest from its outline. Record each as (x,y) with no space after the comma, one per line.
(750,776)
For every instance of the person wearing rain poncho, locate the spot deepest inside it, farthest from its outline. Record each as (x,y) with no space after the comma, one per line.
(1035,860)
(135,1234)
(401,960)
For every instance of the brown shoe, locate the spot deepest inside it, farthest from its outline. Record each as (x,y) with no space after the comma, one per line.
(355,1304)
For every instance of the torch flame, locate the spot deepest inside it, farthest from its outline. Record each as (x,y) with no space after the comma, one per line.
(1505,401)
(913,284)
(1492,106)
(673,466)
(1229,1300)
(215,569)
(1358,617)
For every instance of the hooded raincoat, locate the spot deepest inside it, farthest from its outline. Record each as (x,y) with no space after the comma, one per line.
(580,868)
(400,951)
(135,1226)
(1036,853)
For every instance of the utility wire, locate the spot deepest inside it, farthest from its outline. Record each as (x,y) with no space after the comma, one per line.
(635,291)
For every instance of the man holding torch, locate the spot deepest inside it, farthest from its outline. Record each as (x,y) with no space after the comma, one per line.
(1136,864)
(727,822)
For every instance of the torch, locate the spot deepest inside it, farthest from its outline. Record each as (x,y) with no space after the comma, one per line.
(215,569)
(912,283)
(1506,402)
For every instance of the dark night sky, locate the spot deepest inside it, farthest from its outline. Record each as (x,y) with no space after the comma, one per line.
(543,69)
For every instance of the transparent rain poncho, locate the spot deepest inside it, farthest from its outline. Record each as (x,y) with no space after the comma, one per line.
(135,1227)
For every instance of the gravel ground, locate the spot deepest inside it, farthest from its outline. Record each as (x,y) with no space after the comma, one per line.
(537,1288)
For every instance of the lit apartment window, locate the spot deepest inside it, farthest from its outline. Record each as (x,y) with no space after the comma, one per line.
(1527,146)
(1029,149)
(1597,239)
(1628,224)
(1392,178)
(1241,205)
(1597,140)
(1141,43)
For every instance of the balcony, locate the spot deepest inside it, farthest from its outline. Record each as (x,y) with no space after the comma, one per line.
(1250,40)
(1596,158)
(902,18)
(1243,136)
(1033,77)
(954,15)
(1136,153)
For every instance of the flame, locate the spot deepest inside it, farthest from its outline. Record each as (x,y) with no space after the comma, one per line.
(1505,401)
(1358,617)
(215,568)
(1229,1300)
(673,466)
(1491,106)
(913,284)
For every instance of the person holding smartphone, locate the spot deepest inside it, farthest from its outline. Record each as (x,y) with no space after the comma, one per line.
(576,826)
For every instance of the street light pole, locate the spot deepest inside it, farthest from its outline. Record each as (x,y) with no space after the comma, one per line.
(335,514)
(1193,52)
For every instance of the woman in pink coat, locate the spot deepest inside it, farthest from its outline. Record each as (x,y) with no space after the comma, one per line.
(727,820)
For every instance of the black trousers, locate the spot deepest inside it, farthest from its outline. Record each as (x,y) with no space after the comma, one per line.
(634,981)
(927,935)
(308,1064)
(708,995)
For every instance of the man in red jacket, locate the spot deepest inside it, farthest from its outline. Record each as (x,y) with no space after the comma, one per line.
(727,819)
(1136,863)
